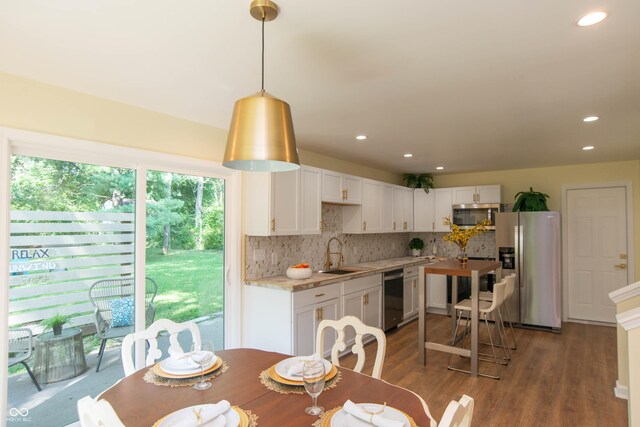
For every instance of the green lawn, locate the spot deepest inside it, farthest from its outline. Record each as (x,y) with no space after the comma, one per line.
(190,283)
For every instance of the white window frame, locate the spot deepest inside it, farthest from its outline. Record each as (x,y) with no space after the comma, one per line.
(15,141)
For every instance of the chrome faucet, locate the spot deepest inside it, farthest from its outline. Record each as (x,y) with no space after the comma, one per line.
(328,263)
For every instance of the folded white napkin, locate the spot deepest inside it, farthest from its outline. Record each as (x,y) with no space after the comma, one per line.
(377,420)
(209,416)
(297,368)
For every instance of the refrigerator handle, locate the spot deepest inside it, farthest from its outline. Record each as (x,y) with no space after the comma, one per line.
(520,254)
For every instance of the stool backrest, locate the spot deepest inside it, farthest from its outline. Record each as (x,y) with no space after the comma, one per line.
(499,294)
(511,285)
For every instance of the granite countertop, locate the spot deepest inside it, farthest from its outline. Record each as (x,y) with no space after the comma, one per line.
(321,279)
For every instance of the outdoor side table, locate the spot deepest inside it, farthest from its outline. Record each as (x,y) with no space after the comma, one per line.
(59,357)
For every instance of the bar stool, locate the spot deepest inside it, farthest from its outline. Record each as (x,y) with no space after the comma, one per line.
(488,296)
(485,308)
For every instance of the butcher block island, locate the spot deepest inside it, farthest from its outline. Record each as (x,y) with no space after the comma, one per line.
(282,314)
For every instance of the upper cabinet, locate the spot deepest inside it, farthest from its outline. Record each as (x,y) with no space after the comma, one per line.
(442,208)
(479,194)
(283,203)
(430,209)
(340,188)
(366,218)
(402,209)
(310,206)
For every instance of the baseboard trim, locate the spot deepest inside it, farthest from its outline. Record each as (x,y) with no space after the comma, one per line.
(621,391)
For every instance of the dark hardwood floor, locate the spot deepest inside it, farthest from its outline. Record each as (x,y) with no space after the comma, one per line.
(562,379)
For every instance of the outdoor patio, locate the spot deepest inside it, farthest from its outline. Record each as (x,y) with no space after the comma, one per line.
(55,405)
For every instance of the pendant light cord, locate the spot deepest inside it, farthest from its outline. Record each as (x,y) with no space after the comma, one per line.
(262,90)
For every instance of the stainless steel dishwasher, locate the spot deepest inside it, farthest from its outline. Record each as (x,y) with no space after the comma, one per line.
(392,299)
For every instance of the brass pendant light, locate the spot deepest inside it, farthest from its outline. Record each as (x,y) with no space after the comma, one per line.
(261,134)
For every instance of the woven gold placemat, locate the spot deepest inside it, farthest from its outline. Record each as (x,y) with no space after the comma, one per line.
(152,378)
(325,419)
(273,385)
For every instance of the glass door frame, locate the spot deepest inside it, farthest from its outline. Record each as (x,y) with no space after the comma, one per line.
(19,142)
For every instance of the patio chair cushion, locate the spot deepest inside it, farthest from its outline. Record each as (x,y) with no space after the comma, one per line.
(121,312)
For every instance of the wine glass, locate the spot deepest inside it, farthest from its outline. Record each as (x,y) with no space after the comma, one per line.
(313,377)
(202,357)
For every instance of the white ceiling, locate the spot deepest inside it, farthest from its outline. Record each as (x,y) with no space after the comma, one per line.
(471,85)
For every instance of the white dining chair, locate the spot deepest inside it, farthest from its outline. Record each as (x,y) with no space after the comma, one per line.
(459,413)
(97,413)
(358,347)
(150,335)
(488,296)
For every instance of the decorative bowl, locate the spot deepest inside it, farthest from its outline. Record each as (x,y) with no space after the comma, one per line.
(298,273)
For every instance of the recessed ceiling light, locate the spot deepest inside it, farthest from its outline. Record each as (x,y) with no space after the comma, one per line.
(592,18)
(408,155)
(361,137)
(440,168)
(590,119)
(588,147)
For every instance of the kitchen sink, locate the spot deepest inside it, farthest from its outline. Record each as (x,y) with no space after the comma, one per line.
(340,271)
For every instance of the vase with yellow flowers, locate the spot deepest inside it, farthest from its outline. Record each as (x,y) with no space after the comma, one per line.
(461,237)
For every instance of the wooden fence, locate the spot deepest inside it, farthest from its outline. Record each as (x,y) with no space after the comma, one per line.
(55,257)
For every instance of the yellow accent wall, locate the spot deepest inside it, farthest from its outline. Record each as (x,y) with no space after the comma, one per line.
(551,179)
(39,107)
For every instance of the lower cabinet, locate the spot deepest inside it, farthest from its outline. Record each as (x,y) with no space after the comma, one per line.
(410,293)
(306,321)
(287,322)
(437,294)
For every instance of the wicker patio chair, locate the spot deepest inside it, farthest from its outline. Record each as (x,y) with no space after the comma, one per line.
(20,345)
(104,294)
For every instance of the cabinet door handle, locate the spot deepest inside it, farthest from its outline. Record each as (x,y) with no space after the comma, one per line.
(321,226)
(622,266)
(273,224)
(321,313)
(394,225)
(317,313)
(346,194)
(364,226)
(319,295)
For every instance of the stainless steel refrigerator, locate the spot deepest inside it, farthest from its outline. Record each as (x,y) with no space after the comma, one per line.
(528,244)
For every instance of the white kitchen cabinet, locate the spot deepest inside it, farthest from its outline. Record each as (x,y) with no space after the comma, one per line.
(410,293)
(442,208)
(362,298)
(310,205)
(306,321)
(402,209)
(408,209)
(341,188)
(366,218)
(389,208)
(478,194)
(423,210)
(273,203)
(437,293)
(286,322)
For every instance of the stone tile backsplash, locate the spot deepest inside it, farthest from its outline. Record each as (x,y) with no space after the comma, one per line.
(270,256)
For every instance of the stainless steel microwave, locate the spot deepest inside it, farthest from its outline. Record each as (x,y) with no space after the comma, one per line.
(468,215)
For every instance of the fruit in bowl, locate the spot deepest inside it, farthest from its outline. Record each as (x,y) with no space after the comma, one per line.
(299,271)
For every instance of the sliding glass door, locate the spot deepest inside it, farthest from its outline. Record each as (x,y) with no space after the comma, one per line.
(84,217)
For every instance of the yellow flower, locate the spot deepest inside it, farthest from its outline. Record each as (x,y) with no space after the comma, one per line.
(461,237)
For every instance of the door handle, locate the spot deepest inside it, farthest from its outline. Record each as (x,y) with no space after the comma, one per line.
(364,226)
(273,224)
(621,266)
(394,225)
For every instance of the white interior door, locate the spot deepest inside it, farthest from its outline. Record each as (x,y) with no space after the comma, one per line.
(597,251)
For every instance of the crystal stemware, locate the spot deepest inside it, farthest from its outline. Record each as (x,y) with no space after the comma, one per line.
(313,377)
(202,357)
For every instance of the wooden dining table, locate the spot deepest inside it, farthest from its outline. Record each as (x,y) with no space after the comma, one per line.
(139,403)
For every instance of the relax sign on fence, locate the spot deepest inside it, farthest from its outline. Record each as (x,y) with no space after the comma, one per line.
(57,256)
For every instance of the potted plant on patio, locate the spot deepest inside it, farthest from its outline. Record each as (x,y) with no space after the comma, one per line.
(56,322)
(416,244)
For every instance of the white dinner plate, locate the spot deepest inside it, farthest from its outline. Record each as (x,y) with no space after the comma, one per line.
(233,419)
(186,366)
(339,419)
(283,367)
